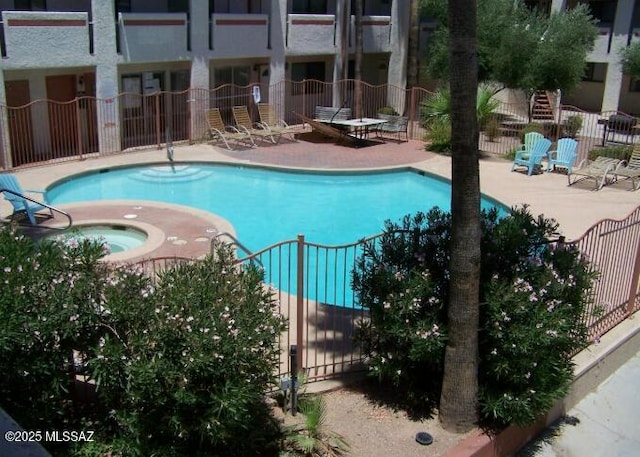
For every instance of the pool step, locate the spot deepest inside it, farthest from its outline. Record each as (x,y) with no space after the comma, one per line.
(173,173)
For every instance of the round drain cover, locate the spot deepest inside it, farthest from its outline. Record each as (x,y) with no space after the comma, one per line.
(424,438)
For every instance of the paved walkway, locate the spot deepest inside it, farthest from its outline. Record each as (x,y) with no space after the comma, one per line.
(606,423)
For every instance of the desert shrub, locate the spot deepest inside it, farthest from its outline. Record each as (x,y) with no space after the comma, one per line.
(180,367)
(533,302)
(492,128)
(615,152)
(49,302)
(572,125)
(187,370)
(438,135)
(388,110)
(551,130)
(531,127)
(435,115)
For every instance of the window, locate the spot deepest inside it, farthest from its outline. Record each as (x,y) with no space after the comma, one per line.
(240,76)
(178,6)
(603,10)
(634,85)
(307,71)
(595,72)
(309,6)
(30,5)
(123,6)
(235,6)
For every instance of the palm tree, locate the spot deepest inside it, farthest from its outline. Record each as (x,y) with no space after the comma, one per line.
(412,52)
(358,61)
(458,401)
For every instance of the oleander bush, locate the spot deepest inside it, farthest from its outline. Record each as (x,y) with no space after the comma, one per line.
(178,366)
(533,301)
(50,298)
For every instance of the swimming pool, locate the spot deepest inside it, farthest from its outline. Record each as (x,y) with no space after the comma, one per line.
(266,206)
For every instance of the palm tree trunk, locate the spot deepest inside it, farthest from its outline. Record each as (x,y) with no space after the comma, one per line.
(458,402)
(358,60)
(412,52)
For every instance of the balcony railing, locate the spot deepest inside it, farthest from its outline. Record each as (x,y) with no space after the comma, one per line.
(376,32)
(240,35)
(311,33)
(153,36)
(46,39)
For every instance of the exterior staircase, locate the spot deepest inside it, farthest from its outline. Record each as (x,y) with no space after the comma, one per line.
(542,109)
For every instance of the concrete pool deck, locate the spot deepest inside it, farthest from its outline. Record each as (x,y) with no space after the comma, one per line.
(575,208)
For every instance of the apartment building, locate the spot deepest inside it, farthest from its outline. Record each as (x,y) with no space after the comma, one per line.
(604,87)
(60,50)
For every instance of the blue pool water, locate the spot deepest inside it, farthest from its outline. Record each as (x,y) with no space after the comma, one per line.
(267,206)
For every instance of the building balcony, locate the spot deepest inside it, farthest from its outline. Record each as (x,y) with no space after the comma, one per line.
(240,35)
(45,39)
(311,34)
(602,45)
(376,32)
(153,37)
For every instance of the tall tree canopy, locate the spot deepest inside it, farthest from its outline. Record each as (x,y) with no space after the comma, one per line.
(631,59)
(518,47)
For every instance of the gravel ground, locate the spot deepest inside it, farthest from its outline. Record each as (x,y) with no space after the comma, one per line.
(375,430)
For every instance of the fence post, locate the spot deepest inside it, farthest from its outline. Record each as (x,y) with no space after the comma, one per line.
(634,282)
(300,301)
(412,111)
(79,128)
(158,128)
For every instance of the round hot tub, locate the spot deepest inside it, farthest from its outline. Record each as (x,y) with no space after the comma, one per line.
(118,237)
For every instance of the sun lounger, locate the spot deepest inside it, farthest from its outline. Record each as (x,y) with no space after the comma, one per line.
(631,170)
(244,124)
(220,132)
(599,171)
(269,121)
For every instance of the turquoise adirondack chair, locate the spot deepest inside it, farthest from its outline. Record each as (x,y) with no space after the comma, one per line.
(532,159)
(529,140)
(8,182)
(564,156)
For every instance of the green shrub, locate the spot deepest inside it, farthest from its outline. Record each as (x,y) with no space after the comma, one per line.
(532,317)
(572,125)
(438,135)
(615,152)
(492,128)
(180,367)
(50,305)
(388,110)
(187,370)
(531,127)
(551,130)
